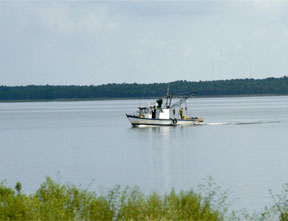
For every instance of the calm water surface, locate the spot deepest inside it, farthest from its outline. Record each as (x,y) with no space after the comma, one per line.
(243,145)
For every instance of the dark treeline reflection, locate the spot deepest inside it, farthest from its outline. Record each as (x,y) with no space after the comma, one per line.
(268,86)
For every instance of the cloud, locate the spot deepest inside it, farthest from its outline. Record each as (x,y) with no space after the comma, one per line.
(268,5)
(88,42)
(64,19)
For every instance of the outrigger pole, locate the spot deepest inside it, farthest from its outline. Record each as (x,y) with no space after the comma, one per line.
(182,100)
(169,97)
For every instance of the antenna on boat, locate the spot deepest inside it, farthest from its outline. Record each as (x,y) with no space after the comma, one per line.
(168,97)
(168,89)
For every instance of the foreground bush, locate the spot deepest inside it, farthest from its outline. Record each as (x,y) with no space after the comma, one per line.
(54,201)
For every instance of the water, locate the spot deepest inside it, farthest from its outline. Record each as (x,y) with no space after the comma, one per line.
(242,144)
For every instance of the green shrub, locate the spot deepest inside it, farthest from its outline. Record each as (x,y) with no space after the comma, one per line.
(55,201)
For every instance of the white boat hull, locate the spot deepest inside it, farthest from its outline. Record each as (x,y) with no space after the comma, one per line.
(139,121)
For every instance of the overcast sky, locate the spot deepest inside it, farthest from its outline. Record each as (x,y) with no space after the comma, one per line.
(96,42)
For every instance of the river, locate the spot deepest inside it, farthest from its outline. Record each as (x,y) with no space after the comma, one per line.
(242,145)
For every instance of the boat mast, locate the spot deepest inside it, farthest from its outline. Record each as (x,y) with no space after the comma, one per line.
(168,97)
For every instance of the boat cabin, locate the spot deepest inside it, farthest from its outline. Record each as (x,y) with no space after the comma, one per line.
(153,112)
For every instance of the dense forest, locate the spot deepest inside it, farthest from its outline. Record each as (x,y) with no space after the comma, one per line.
(268,86)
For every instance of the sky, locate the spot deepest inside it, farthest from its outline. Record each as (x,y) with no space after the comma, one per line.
(93,42)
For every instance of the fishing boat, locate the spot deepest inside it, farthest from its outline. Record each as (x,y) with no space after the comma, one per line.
(164,115)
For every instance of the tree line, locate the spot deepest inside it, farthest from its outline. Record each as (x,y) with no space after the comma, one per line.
(267,86)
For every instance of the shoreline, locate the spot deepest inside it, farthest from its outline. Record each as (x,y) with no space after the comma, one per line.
(133,98)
